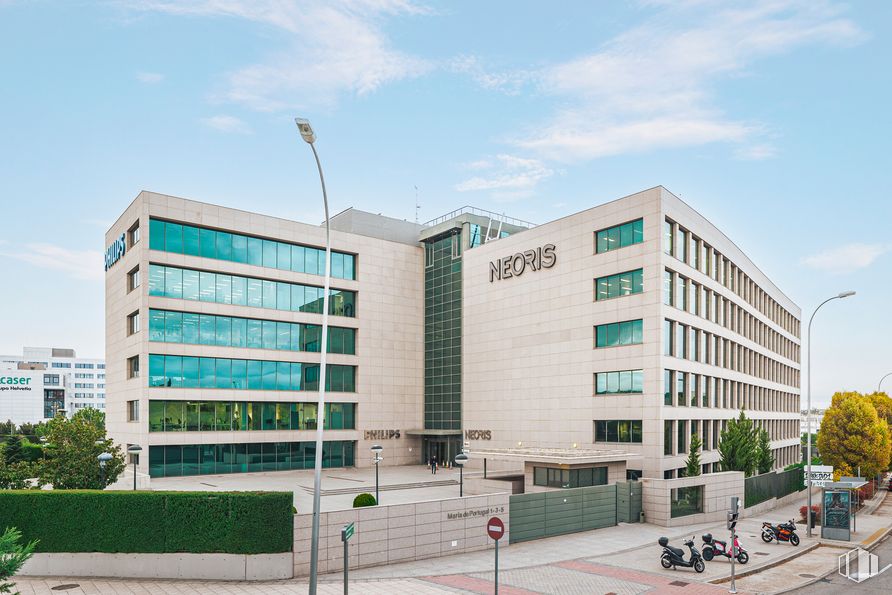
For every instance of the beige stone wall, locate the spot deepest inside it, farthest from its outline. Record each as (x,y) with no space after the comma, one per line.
(717,491)
(389,350)
(400,532)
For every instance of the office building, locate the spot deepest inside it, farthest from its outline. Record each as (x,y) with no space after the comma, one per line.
(600,341)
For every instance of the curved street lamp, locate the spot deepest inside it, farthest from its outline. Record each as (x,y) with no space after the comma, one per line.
(306,132)
(881,381)
(461,459)
(134,450)
(377,449)
(840,296)
(103,459)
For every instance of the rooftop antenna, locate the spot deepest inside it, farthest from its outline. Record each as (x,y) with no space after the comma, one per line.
(417,206)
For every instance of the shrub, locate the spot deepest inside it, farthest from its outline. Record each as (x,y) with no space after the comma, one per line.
(12,556)
(152,522)
(364,500)
(816,508)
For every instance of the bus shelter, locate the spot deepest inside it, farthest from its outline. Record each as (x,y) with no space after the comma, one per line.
(838,517)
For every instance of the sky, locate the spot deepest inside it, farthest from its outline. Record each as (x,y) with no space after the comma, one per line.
(769,117)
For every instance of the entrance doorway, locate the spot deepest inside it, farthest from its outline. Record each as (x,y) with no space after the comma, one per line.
(443,447)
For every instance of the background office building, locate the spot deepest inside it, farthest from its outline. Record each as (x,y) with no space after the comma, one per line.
(623,329)
(36,385)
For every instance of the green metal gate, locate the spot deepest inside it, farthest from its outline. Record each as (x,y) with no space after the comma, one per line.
(544,514)
(628,501)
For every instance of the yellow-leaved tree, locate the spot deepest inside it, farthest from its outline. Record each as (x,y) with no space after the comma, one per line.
(852,435)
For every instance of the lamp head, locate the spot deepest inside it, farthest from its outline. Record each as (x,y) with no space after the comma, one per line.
(461,459)
(377,449)
(306,131)
(846,294)
(134,448)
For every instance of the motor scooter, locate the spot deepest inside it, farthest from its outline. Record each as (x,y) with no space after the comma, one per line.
(673,557)
(782,532)
(714,547)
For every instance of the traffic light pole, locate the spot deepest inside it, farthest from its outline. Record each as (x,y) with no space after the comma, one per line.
(732,524)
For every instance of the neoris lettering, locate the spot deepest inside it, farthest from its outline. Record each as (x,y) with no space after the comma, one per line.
(114,252)
(514,265)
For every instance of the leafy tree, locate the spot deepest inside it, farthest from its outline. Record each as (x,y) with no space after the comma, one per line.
(12,556)
(764,458)
(852,435)
(92,416)
(19,475)
(7,428)
(883,404)
(12,449)
(692,465)
(737,446)
(71,455)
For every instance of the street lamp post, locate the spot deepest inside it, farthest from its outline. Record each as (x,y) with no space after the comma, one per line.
(103,459)
(134,451)
(306,132)
(460,460)
(840,296)
(377,449)
(881,381)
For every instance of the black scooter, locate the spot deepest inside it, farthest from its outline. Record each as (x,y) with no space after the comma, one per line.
(673,557)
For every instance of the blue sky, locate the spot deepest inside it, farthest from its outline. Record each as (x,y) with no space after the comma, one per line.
(769,117)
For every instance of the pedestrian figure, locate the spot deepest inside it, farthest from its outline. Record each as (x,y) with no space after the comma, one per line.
(434,464)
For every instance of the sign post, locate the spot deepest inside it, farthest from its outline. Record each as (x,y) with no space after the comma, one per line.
(495,528)
(346,533)
(732,524)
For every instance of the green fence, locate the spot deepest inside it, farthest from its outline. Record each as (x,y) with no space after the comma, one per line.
(777,484)
(151,522)
(557,512)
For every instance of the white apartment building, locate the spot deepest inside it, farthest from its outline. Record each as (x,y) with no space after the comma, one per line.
(44,380)
(601,341)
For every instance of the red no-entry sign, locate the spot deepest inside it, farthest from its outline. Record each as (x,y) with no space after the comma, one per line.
(495,528)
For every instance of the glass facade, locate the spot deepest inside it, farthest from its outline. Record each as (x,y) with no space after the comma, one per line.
(627,381)
(213,459)
(620,236)
(620,284)
(208,243)
(442,333)
(180,371)
(188,284)
(167,326)
(618,431)
(619,333)
(235,416)
(686,501)
(569,478)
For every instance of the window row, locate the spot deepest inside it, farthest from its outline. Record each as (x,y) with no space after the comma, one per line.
(222,245)
(166,326)
(688,248)
(686,342)
(619,285)
(690,296)
(214,459)
(188,284)
(619,236)
(626,381)
(618,431)
(614,334)
(240,416)
(682,389)
(677,433)
(569,478)
(178,371)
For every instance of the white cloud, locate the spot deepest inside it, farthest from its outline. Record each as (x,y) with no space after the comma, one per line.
(511,177)
(847,258)
(149,78)
(80,264)
(228,124)
(332,47)
(652,87)
(511,82)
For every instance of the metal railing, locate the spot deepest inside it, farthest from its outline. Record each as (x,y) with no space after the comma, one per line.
(482,213)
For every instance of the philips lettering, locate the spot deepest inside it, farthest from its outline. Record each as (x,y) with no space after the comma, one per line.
(114,252)
(514,265)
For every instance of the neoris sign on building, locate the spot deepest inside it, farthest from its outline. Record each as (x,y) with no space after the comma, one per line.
(114,252)
(514,265)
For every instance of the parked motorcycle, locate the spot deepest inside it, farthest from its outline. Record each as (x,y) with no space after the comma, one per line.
(673,557)
(782,532)
(714,547)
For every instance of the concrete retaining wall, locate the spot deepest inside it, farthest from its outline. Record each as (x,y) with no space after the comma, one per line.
(475,486)
(773,503)
(717,490)
(399,533)
(230,567)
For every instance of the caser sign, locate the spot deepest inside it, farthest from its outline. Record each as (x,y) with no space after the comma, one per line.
(514,265)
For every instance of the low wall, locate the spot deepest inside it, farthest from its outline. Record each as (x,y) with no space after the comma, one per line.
(476,486)
(229,567)
(400,532)
(717,490)
(773,503)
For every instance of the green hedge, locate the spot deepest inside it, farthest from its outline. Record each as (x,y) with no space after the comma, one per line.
(151,522)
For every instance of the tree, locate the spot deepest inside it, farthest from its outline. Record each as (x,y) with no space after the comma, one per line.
(692,465)
(737,446)
(71,455)
(92,416)
(19,475)
(12,556)
(12,449)
(7,428)
(852,435)
(764,458)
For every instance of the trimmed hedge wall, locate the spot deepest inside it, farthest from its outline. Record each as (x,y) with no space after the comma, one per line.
(151,522)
